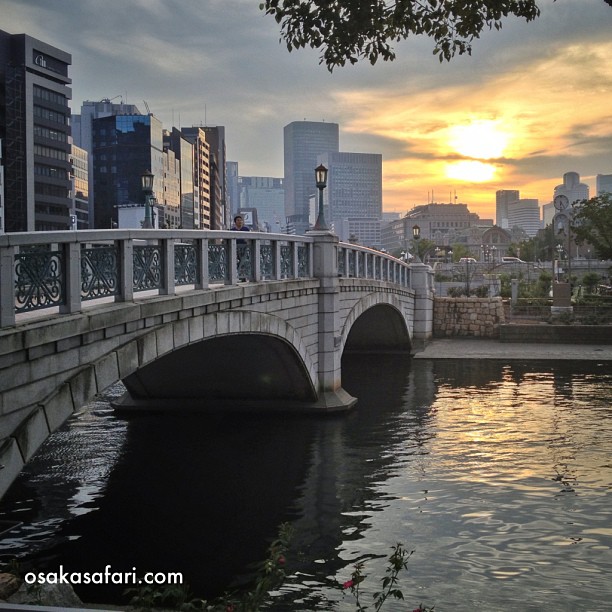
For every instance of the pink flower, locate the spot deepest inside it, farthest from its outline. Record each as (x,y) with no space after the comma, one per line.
(348,584)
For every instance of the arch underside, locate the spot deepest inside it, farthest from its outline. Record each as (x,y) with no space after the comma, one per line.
(241,370)
(380,328)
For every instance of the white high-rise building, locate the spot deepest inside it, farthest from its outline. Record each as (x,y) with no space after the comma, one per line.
(572,188)
(525,213)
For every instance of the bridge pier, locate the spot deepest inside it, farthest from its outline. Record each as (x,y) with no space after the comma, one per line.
(422,283)
(325,267)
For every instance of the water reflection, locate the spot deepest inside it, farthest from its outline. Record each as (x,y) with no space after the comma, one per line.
(497,475)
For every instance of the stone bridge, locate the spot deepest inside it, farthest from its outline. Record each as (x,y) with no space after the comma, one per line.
(166,313)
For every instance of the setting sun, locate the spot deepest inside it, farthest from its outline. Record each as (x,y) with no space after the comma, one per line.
(470,171)
(481,139)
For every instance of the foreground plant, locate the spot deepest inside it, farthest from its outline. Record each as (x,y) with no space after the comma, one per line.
(271,574)
(398,561)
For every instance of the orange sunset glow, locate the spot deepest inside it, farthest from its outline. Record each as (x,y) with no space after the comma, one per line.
(518,130)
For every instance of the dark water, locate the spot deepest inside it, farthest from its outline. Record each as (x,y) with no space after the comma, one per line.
(499,477)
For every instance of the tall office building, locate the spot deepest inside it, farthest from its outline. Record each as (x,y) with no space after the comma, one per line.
(125,146)
(233,190)
(82,133)
(183,150)
(35,131)
(503,198)
(80,188)
(354,195)
(525,214)
(304,141)
(603,183)
(219,213)
(201,176)
(267,195)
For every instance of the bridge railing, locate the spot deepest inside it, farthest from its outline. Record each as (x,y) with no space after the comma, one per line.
(361,262)
(41,270)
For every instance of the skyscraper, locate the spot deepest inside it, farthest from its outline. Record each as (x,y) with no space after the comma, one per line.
(125,146)
(82,133)
(35,131)
(604,183)
(354,195)
(573,188)
(219,215)
(525,214)
(303,142)
(503,198)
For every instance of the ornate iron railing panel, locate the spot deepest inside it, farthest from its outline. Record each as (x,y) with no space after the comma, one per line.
(99,272)
(341,266)
(39,280)
(286,253)
(303,260)
(352,268)
(266,261)
(186,269)
(244,263)
(148,267)
(217,262)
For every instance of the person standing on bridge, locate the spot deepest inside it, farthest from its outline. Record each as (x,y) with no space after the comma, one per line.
(242,252)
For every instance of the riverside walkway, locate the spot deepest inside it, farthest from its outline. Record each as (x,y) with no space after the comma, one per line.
(476,348)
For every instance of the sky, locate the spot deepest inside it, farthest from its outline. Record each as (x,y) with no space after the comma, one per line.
(532,102)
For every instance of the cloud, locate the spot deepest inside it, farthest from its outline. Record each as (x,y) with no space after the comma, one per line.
(219,61)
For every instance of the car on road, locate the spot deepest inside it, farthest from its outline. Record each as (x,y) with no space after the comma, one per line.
(514,260)
(467,260)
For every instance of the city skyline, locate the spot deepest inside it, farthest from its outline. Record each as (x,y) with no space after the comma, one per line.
(531,103)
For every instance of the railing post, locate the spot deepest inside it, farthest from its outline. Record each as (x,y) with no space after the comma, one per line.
(72,281)
(7,286)
(256,254)
(125,248)
(232,264)
(203,280)
(169,282)
(276,253)
(294,260)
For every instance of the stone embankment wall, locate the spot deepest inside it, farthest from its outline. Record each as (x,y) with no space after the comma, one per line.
(467,316)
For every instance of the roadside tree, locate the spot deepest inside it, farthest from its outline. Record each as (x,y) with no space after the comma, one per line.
(592,224)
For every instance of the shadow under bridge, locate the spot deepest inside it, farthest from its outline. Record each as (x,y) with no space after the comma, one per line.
(242,370)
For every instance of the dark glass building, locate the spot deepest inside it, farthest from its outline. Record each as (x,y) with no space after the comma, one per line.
(124,146)
(34,131)
(303,142)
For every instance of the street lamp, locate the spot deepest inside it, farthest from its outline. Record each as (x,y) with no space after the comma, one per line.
(321,178)
(146,181)
(416,235)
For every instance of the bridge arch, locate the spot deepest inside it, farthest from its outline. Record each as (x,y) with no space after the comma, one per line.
(243,357)
(377,322)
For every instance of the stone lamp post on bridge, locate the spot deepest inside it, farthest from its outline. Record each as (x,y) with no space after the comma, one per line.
(321,180)
(416,235)
(146,181)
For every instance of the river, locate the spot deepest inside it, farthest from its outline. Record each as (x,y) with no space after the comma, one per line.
(498,477)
